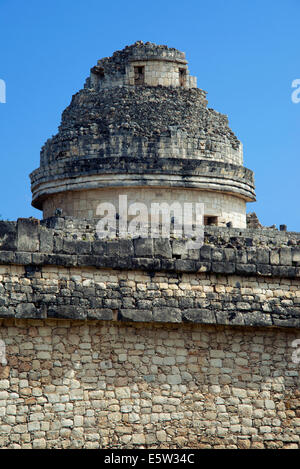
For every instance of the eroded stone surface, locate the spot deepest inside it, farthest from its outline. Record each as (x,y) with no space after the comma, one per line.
(93,385)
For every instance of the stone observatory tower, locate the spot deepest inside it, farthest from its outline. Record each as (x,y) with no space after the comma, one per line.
(141,125)
(141,341)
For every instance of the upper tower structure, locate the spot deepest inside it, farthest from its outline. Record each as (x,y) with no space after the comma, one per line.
(140,126)
(143,64)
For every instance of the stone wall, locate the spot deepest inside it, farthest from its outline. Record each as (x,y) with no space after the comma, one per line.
(161,67)
(142,121)
(162,73)
(122,295)
(71,384)
(83,204)
(164,174)
(155,73)
(145,344)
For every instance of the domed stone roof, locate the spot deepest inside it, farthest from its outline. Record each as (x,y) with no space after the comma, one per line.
(140,121)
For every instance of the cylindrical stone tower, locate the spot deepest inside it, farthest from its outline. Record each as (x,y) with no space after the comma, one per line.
(141,127)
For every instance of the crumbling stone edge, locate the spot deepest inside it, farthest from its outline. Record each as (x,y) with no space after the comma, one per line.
(33,245)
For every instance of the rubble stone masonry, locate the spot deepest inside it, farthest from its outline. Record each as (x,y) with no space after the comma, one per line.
(143,344)
(74,384)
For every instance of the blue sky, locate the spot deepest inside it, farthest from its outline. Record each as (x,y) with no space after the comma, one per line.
(245,54)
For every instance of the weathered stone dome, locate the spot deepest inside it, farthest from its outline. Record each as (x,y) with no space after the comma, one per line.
(140,123)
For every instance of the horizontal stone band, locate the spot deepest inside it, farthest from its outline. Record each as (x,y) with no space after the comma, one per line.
(91,173)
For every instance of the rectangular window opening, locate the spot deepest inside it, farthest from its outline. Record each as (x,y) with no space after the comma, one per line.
(210,220)
(182,76)
(139,75)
